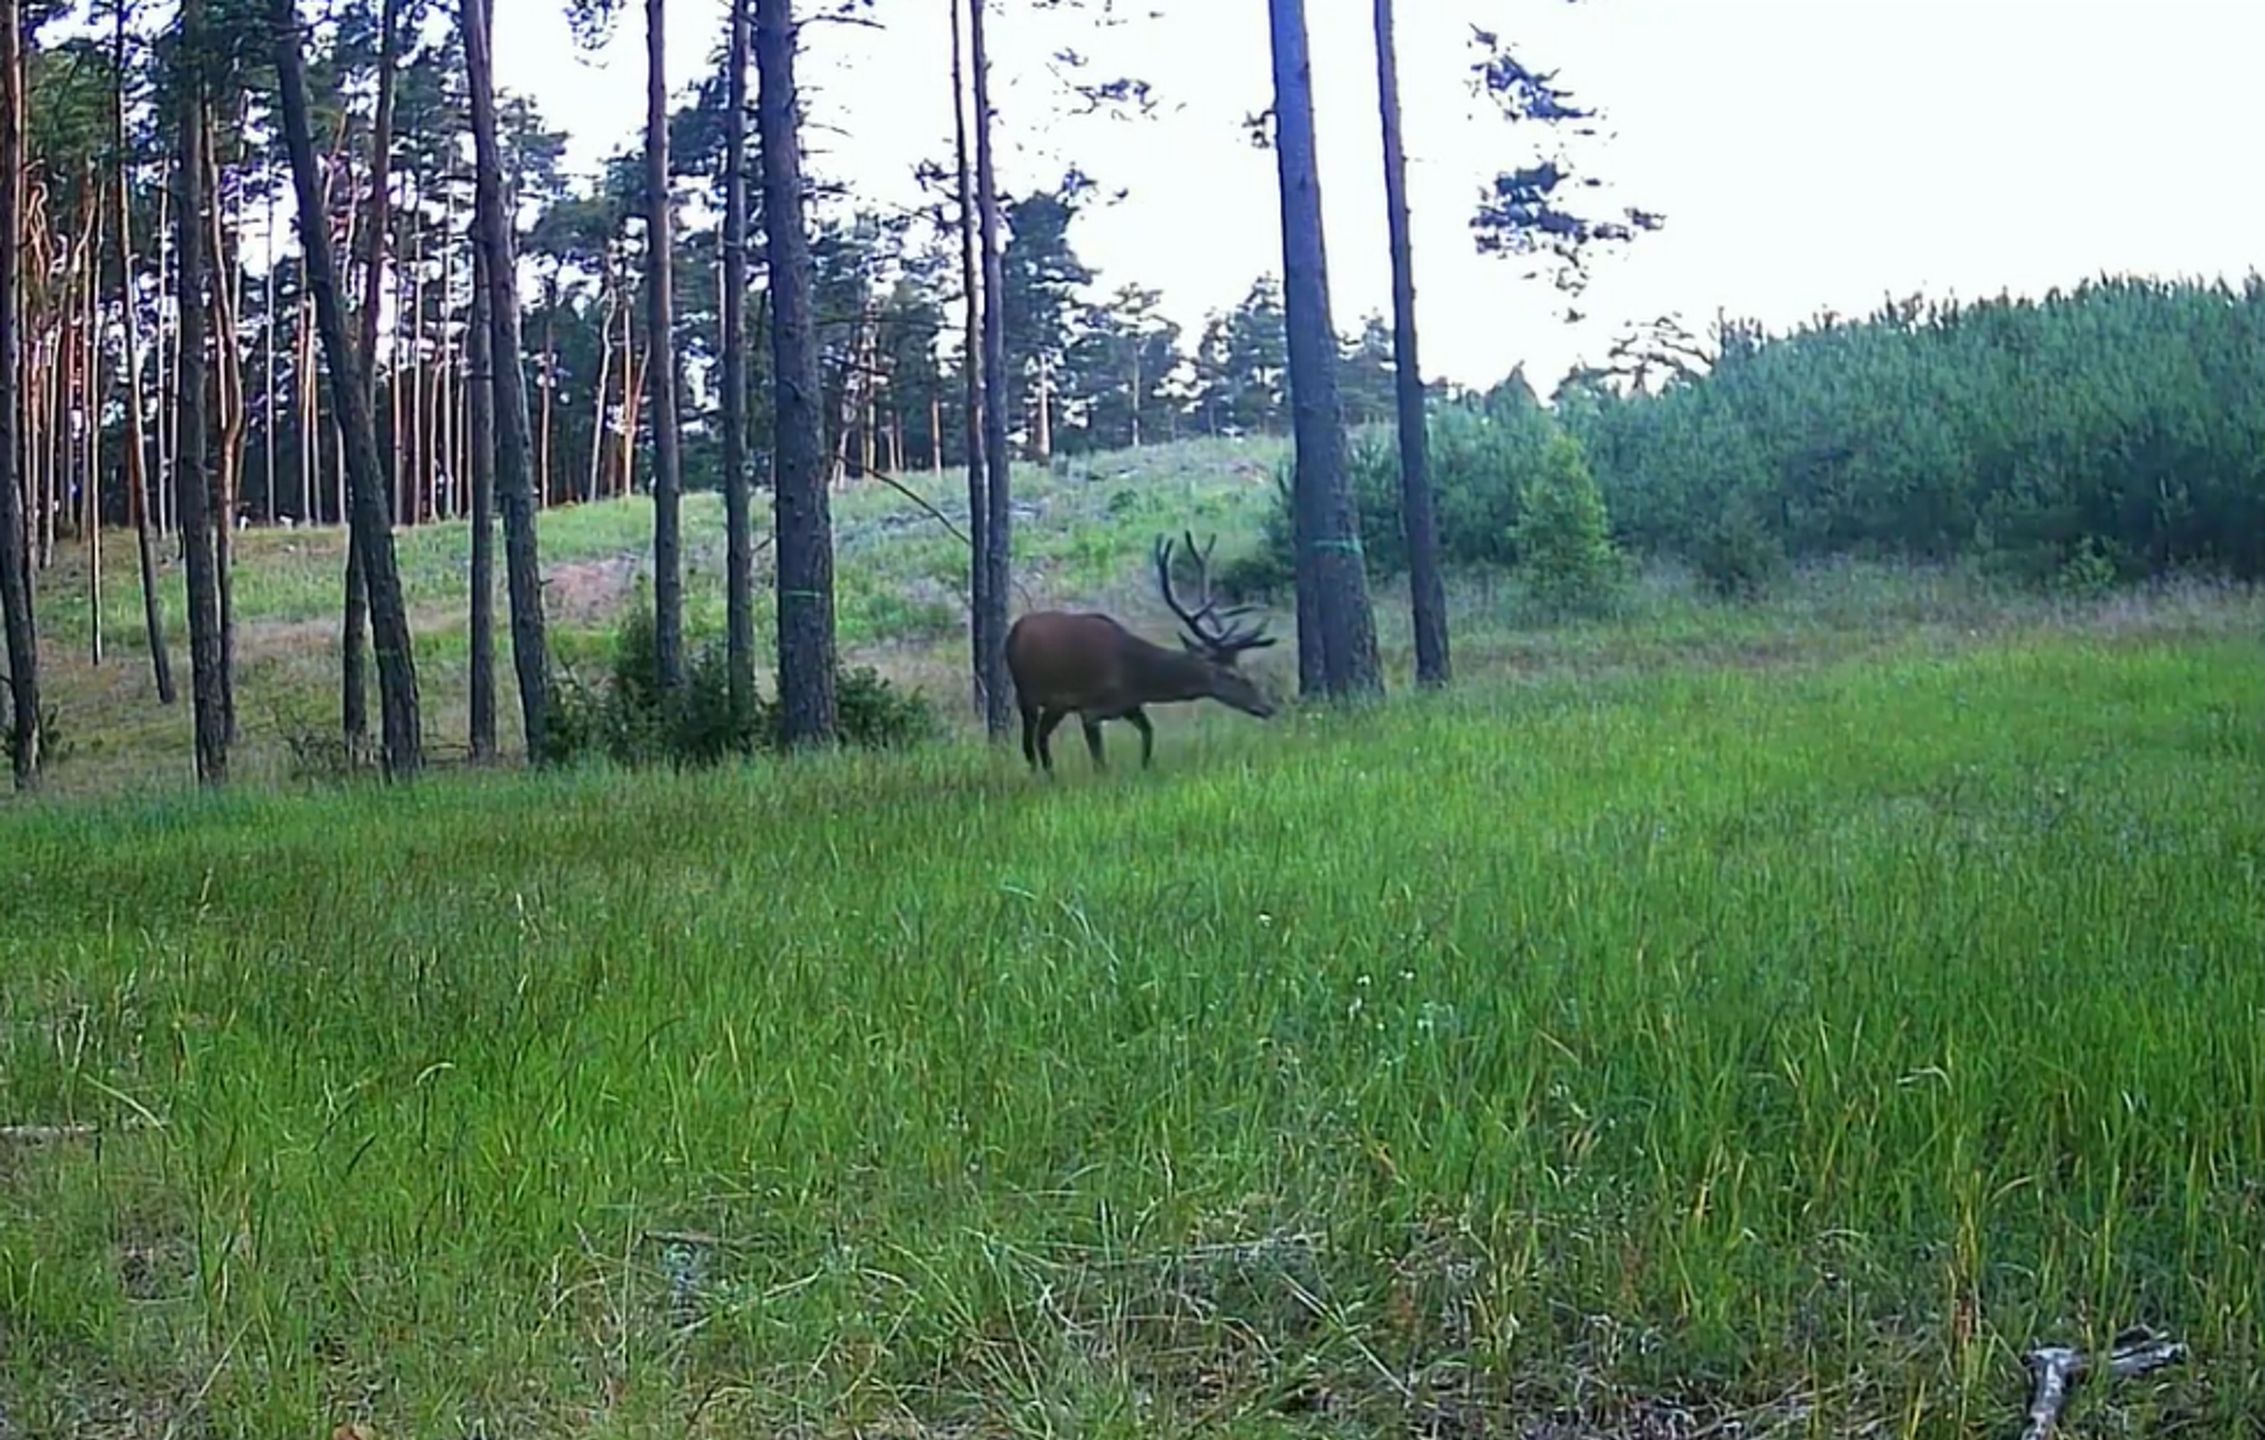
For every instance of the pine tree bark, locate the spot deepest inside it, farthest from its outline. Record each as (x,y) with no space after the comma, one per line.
(1337,619)
(137,440)
(191,483)
(97,393)
(480,422)
(662,365)
(1427,593)
(354,623)
(228,395)
(15,559)
(403,741)
(804,524)
(998,529)
(530,650)
(739,545)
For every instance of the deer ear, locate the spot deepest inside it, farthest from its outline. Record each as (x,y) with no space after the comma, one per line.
(1194,649)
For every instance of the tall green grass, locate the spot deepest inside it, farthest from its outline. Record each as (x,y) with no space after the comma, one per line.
(1792,1044)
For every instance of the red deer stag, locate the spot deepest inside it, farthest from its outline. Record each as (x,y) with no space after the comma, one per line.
(1091,664)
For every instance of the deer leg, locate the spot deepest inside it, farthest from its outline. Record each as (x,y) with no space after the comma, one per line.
(1046,724)
(1093,740)
(1030,735)
(1138,719)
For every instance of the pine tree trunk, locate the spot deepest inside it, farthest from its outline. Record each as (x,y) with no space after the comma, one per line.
(97,391)
(15,567)
(804,524)
(514,483)
(978,488)
(661,362)
(354,621)
(597,488)
(349,393)
(480,396)
(137,441)
(228,392)
(190,482)
(1427,593)
(1336,620)
(999,530)
(739,546)
(267,372)
(545,491)
(168,413)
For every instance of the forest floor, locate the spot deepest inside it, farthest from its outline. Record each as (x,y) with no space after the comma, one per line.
(1708,1020)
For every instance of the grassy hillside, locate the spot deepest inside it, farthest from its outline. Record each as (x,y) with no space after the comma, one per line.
(1707,1019)
(1085,530)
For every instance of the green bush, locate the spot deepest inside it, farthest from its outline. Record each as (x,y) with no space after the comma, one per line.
(625,716)
(2089,572)
(1563,539)
(2016,432)
(1737,557)
(1481,455)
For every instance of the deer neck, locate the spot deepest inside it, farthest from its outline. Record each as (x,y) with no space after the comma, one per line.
(1167,675)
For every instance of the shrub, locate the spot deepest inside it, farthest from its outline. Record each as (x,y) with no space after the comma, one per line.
(2089,572)
(55,745)
(1564,543)
(1481,455)
(625,715)
(1737,557)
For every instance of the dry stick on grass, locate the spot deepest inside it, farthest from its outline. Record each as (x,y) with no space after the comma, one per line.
(2057,1368)
(54,1134)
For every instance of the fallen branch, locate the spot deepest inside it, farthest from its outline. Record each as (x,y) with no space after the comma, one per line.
(45,1134)
(916,498)
(2057,1368)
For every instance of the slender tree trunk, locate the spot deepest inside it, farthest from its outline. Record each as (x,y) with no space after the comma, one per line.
(661,362)
(514,484)
(633,368)
(190,483)
(480,396)
(1427,593)
(228,391)
(137,442)
(1329,560)
(804,525)
(349,393)
(604,387)
(935,430)
(163,340)
(15,566)
(267,371)
(410,459)
(998,535)
(97,391)
(545,491)
(1045,435)
(354,623)
(1136,389)
(448,475)
(739,545)
(978,489)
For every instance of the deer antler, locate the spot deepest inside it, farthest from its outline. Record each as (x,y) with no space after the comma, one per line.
(1206,623)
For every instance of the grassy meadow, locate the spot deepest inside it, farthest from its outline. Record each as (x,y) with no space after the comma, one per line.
(1767,1019)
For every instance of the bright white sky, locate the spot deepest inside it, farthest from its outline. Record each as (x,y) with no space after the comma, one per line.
(1807,153)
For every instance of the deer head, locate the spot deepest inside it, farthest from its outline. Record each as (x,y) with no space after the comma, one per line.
(1210,633)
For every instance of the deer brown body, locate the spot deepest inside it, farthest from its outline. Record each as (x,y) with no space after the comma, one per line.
(1088,664)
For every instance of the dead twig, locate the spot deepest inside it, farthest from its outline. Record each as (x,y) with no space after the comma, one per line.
(45,1134)
(2057,1368)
